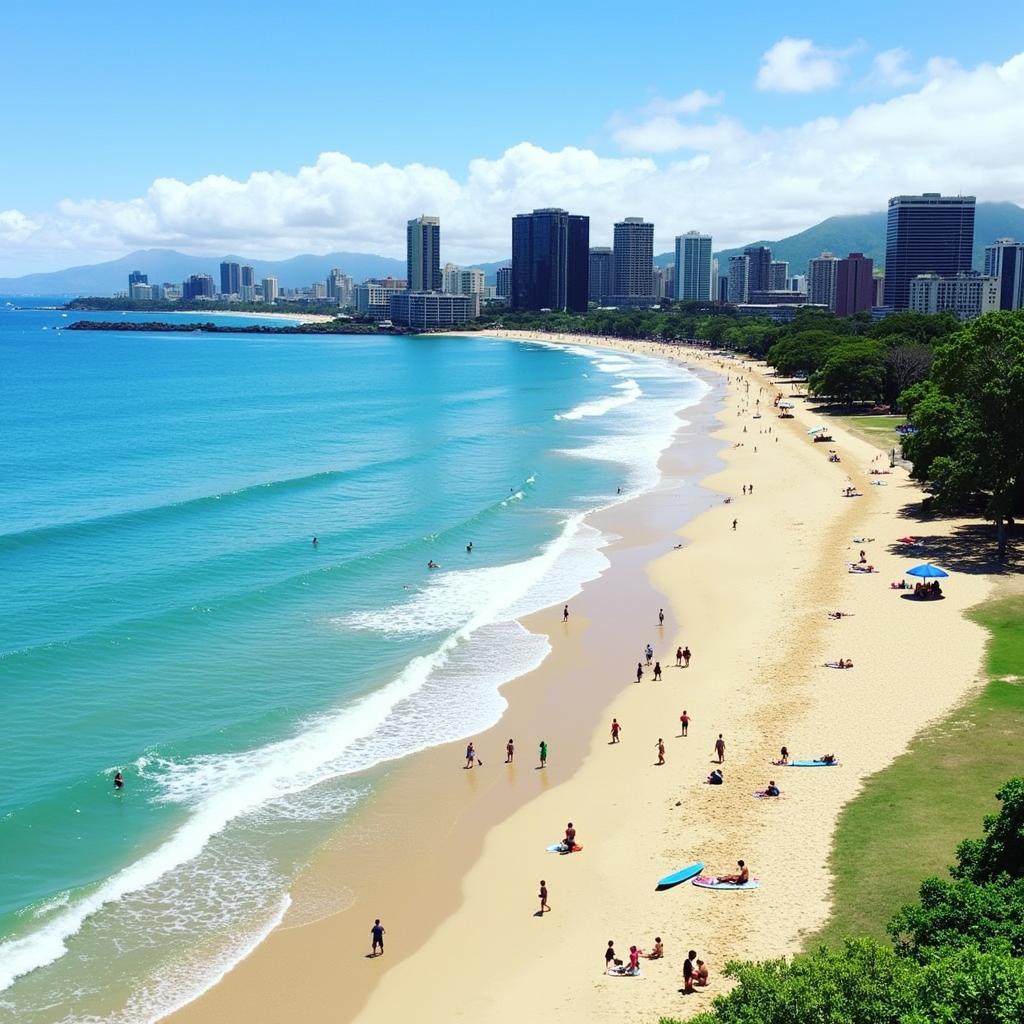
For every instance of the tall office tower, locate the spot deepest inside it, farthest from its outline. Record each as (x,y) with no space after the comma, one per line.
(739,278)
(230,279)
(198,286)
(423,254)
(723,288)
(600,274)
(270,289)
(1005,259)
(926,234)
(633,249)
(760,268)
(504,282)
(855,285)
(248,277)
(821,280)
(550,260)
(658,282)
(778,276)
(137,277)
(693,267)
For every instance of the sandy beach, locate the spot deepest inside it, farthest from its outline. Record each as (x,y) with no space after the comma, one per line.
(450,859)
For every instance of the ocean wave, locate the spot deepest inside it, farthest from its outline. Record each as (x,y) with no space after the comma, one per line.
(600,406)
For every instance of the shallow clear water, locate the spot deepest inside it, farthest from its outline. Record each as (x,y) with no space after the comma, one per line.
(166,614)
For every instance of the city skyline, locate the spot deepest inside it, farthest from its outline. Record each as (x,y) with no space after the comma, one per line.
(773,126)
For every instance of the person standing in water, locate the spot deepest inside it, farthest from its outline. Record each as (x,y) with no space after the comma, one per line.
(657,671)
(565,614)
(679,657)
(316,542)
(543,752)
(510,751)
(639,671)
(661,616)
(118,780)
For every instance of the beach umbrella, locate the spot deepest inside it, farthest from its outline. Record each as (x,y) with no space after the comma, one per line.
(816,430)
(927,572)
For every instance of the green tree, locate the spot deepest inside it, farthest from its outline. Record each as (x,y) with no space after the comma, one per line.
(970,417)
(854,371)
(802,352)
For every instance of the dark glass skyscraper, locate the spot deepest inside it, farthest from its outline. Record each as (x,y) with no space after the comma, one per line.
(926,234)
(550,254)
(137,277)
(601,274)
(855,285)
(760,272)
(230,279)
(1005,259)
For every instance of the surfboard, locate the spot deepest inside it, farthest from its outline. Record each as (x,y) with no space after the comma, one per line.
(681,876)
(813,764)
(710,883)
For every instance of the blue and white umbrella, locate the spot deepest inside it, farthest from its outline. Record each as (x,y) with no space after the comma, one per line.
(927,571)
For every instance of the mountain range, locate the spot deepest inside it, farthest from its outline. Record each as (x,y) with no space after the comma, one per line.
(853,233)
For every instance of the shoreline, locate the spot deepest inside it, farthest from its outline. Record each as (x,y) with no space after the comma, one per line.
(775,689)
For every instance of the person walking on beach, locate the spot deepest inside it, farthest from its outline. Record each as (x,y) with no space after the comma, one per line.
(720,748)
(543,751)
(684,723)
(661,750)
(565,614)
(661,616)
(639,671)
(510,751)
(744,490)
(734,522)
(648,653)
(543,895)
(657,671)
(609,955)
(471,756)
(616,729)
(679,657)
(377,936)
(686,657)
(750,487)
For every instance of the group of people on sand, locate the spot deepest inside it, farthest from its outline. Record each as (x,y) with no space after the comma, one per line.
(473,759)
(927,591)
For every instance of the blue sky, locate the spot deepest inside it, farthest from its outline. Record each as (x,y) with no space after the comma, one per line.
(103,99)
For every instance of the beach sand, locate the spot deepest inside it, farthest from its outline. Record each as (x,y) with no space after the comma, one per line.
(451,859)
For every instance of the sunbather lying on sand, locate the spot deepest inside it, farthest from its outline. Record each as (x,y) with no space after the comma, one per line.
(841,663)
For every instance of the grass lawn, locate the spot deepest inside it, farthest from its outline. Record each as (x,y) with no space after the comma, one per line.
(878,430)
(909,818)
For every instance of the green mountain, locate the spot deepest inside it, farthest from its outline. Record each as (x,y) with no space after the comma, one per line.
(865,232)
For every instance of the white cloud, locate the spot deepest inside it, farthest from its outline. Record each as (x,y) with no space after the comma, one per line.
(890,68)
(958,132)
(797,65)
(689,103)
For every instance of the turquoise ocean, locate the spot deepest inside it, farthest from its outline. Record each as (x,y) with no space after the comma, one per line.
(166,614)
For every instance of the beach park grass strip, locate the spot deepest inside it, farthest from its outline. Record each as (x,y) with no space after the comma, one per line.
(877,430)
(909,818)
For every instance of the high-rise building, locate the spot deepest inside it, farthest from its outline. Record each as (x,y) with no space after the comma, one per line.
(198,286)
(248,276)
(137,277)
(504,282)
(270,289)
(878,276)
(778,276)
(693,267)
(601,274)
(550,260)
(723,288)
(633,250)
(139,290)
(423,310)
(461,280)
(1005,259)
(821,280)
(855,285)
(230,279)
(374,299)
(968,294)
(739,278)
(798,283)
(926,234)
(760,273)
(339,287)
(423,254)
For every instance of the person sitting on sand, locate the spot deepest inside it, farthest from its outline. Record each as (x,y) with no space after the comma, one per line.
(570,838)
(715,778)
(783,756)
(700,976)
(659,949)
(827,758)
(772,789)
(740,878)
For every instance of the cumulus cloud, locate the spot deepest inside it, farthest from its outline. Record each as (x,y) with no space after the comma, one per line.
(890,68)
(689,103)
(957,132)
(797,65)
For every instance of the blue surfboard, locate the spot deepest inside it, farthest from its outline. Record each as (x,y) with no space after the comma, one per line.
(680,876)
(814,764)
(710,883)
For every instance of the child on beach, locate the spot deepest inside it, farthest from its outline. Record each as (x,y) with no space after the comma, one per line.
(659,950)
(661,750)
(616,729)
(377,937)
(684,723)
(543,752)
(543,896)
(657,671)
(701,975)
(510,751)
(639,671)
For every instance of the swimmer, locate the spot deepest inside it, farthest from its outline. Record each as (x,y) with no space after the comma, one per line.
(118,780)
(469,548)
(316,542)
